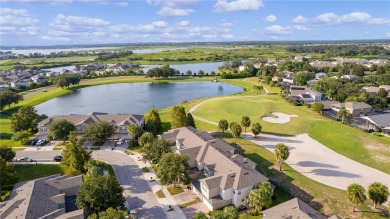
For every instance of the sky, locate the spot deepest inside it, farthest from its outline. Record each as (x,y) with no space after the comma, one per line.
(73,22)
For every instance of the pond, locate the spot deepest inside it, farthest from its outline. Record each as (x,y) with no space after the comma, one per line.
(135,98)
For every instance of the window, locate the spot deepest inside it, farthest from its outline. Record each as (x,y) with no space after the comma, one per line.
(239,192)
(234,191)
(123,128)
(242,200)
(79,128)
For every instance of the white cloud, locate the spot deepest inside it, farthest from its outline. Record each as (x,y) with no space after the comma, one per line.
(271,18)
(9,11)
(17,22)
(300,20)
(228,36)
(184,23)
(300,27)
(71,23)
(209,36)
(172,3)
(277,30)
(57,39)
(238,5)
(159,24)
(174,12)
(122,4)
(43,2)
(354,17)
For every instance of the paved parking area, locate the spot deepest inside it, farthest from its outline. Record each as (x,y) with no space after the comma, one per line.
(191,210)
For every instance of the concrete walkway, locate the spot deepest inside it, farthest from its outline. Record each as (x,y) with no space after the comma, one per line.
(316,161)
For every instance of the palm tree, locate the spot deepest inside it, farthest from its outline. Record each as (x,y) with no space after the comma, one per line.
(281,154)
(378,193)
(343,114)
(356,194)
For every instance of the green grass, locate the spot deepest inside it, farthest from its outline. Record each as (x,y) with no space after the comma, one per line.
(145,169)
(34,171)
(18,148)
(289,184)
(367,149)
(175,190)
(160,194)
(247,216)
(189,203)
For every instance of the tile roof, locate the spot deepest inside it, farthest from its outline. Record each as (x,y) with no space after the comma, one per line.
(294,209)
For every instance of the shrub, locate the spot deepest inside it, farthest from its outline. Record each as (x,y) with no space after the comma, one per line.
(132,143)
(145,169)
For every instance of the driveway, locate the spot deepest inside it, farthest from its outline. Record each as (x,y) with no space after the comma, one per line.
(316,161)
(190,211)
(138,194)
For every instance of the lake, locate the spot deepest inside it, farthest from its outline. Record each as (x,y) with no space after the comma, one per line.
(135,98)
(207,67)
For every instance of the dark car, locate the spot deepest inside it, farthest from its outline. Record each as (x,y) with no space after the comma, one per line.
(58,158)
(33,142)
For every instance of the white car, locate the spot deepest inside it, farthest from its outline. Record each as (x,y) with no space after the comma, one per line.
(41,142)
(120,141)
(24,159)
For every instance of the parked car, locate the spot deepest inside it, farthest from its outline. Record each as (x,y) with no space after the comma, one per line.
(14,160)
(33,142)
(25,159)
(57,158)
(41,142)
(120,141)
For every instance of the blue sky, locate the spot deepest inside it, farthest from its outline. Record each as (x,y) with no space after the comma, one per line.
(55,22)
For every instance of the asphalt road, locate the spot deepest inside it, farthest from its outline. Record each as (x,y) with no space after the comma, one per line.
(139,195)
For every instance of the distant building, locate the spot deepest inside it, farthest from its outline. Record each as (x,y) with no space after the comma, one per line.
(378,121)
(38,79)
(356,109)
(20,82)
(119,121)
(49,197)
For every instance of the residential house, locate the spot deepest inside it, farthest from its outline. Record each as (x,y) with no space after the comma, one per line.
(119,121)
(327,103)
(293,209)
(371,90)
(118,68)
(95,66)
(320,75)
(222,177)
(38,79)
(356,109)
(378,121)
(311,96)
(348,76)
(322,64)
(297,90)
(302,58)
(20,82)
(49,197)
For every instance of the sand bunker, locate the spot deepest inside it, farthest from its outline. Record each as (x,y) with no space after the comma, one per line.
(281,118)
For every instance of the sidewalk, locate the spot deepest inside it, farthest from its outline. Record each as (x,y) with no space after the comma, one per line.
(177,213)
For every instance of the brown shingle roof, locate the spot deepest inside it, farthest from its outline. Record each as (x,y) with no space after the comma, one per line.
(118,119)
(37,198)
(229,170)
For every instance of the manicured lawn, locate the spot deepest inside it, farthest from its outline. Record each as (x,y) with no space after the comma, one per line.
(189,203)
(34,171)
(160,194)
(355,144)
(290,183)
(175,190)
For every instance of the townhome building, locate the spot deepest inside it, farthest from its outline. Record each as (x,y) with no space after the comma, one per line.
(220,177)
